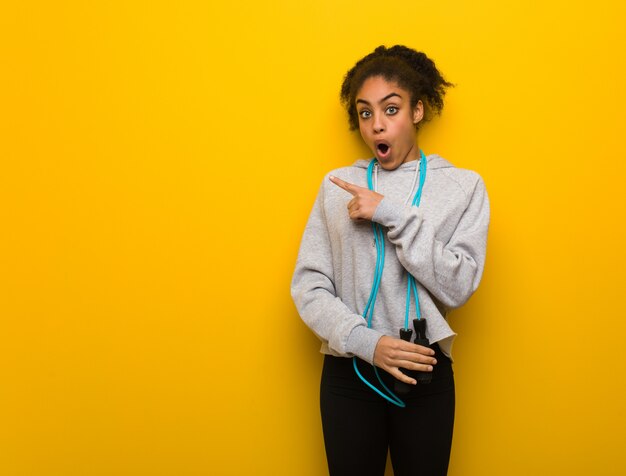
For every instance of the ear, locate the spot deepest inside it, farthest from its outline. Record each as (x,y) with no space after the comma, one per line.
(418,112)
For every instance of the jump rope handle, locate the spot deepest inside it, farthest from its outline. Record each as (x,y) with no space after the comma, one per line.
(421,339)
(402,388)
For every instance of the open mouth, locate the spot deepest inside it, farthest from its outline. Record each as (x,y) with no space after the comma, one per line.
(383,149)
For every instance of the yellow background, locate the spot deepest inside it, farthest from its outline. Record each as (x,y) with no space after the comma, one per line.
(158,163)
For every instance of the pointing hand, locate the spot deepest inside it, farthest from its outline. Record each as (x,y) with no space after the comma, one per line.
(364,201)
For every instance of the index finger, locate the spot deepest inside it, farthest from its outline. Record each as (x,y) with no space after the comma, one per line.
(416,348)
(347,186)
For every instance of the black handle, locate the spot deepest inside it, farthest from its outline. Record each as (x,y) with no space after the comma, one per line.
(421,339)
(400,387)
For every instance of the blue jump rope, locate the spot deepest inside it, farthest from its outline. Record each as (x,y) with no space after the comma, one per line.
(368,313)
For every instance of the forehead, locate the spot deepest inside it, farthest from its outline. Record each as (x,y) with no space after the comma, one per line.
(376,88)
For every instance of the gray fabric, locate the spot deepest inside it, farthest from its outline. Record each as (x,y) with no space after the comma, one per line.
(442,244)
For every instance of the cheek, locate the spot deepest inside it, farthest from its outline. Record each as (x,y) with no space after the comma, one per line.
(408,131)
(363,132)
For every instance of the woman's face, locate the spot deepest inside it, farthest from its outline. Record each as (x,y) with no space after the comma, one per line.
(387,121)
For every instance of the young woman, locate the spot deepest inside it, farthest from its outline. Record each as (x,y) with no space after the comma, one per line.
(392,243)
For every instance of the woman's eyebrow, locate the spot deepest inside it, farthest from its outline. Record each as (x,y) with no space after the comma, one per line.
(381,101)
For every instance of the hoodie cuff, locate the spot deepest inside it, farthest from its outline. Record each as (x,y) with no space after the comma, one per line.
(362,343)
(390,213)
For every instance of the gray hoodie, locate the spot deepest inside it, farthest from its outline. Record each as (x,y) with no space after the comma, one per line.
(442,244)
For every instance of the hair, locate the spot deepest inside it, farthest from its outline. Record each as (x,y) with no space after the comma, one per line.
(412,70)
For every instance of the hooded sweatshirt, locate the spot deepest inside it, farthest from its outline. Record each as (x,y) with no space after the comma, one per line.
(442,243)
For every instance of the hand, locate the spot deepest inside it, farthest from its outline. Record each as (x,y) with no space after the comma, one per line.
(392,354)
(364,201)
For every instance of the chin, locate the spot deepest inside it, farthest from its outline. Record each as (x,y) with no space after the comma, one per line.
(388,164)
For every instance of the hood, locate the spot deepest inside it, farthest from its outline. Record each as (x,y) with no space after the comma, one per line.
(434,161)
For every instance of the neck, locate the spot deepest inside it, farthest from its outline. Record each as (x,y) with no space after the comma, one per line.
(414,153)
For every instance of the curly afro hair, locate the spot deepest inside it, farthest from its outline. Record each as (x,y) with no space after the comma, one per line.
(412,70)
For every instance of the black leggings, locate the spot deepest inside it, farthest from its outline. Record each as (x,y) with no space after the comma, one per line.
(360,426)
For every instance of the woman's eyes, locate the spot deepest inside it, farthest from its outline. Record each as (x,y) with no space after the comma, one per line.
(390,110)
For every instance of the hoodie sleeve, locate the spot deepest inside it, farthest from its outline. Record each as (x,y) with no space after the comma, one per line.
(313,291)
(450,271)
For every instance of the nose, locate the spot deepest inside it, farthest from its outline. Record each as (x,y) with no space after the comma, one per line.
(378,124)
